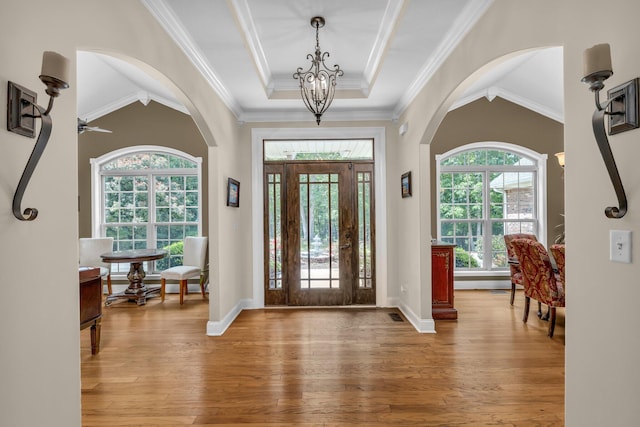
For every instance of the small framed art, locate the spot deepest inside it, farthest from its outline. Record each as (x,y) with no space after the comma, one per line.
(405,181)
(233,193)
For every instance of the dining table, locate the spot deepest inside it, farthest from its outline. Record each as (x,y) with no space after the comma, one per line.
(137,291)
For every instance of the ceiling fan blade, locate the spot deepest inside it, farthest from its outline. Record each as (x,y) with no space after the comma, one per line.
(97,129)
(83,126)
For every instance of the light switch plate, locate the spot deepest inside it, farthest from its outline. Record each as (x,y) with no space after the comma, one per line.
(620,246)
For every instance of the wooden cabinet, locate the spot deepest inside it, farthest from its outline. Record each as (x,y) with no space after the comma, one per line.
(91,304)
(442,265)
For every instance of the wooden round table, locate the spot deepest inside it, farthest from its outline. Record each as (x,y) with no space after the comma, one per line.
(136,291)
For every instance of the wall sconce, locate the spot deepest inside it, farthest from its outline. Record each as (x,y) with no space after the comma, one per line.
(622,108)
(22,112)
(560,157)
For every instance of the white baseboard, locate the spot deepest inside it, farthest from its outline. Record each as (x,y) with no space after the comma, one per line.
(217,328)
(423,326)
(481,284)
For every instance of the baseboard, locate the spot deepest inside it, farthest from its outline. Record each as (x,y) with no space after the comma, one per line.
(481,284)
(217,328)
(423,326)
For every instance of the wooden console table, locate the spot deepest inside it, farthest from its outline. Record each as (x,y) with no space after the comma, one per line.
(91,304)
(442,265)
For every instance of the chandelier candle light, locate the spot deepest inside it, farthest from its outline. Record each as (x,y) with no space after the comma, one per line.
(318,83)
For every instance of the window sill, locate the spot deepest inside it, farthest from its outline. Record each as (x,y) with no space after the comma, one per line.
(492,273)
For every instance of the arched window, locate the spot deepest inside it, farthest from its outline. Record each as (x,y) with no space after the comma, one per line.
(487,190)
(147,197)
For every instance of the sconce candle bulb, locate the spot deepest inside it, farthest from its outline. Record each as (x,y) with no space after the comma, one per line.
(54,74)
(597,65)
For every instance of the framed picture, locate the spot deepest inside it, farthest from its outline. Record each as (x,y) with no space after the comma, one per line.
(233,193)
(405,181)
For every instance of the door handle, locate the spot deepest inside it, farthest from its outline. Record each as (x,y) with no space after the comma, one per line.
(346,246)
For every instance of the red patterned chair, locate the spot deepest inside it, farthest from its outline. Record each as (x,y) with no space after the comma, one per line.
(540,281)
(516,274)
(557,251)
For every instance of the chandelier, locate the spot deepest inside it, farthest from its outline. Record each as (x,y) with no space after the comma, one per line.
(318,83)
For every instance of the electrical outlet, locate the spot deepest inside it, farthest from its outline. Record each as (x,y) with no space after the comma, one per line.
(620,246)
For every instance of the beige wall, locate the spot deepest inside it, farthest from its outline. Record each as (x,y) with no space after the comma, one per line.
(133,125)
(40,337)
(602,358)
(502,121)
(601,374)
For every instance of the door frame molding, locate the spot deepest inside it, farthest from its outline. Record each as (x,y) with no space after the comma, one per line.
(257,228)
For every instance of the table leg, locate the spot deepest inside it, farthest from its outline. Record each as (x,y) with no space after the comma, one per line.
(136,288)
(136,291)
(95,337)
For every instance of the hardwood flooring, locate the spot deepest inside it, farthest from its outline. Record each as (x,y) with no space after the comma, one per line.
(324,367)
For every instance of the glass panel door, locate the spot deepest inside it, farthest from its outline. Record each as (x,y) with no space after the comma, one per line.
(319,233)
(320,218)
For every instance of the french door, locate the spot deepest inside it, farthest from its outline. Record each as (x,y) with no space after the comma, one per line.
(319,234)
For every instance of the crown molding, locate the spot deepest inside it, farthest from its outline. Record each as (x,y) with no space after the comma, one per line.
(388,25)
(363,83)
(333,115)
(462,25)
(141,96)
(494,91)
(245,19)
(167,19)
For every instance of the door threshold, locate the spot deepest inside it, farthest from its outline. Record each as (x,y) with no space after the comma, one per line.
(298,307)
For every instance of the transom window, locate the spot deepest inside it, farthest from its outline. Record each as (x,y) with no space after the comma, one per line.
(147,197)
(487,190)
(317,149)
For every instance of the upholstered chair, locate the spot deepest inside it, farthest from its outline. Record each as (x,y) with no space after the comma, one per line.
(540,281)
(516,274)
(193,263)
(557,252)
(90,250)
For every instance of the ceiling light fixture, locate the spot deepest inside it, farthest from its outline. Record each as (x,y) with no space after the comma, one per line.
(318,83)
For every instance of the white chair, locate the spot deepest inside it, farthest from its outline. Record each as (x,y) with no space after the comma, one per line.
(193,262)
(90,250)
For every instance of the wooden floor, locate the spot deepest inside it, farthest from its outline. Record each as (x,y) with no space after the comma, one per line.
(324,367)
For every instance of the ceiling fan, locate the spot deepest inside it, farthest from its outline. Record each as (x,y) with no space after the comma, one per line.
(83,126)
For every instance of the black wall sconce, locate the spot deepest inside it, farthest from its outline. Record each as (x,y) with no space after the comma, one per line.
(622,108)
(22,112)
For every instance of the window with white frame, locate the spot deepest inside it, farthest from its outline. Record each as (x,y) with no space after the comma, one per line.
(147,197)
(487,190)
